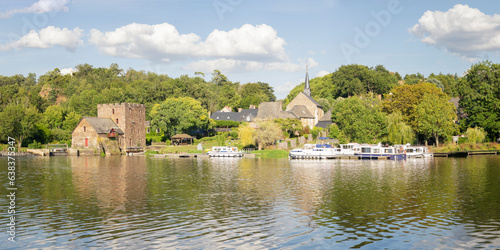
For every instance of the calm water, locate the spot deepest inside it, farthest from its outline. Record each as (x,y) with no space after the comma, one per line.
(138,202)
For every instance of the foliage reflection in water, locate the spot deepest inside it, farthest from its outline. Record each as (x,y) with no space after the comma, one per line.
(123,202)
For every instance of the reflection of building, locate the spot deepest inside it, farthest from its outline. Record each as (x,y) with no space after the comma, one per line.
(120,125)
(112,183)
(302,107)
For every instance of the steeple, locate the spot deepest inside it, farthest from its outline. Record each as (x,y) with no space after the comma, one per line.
(307,87)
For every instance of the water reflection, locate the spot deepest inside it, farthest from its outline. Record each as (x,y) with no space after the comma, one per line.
(123,202)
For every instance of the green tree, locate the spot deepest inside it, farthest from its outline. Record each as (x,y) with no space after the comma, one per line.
(334,132)
(479,92)
(180,115)
(71,121)
(405,98)
(54,116)
(290,127)
(413,79)
(267,133)
(19,122)
(398,132)
(436,117)
(246,135)
(360,119)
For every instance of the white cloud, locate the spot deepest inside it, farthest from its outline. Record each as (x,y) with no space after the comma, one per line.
(462,30)
(47,38)
(66,71)
(42,6)
(285,88)
(322,73)
(162,42)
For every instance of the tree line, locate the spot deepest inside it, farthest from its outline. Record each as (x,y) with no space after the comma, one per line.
(410,109)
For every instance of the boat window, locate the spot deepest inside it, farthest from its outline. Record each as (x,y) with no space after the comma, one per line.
(365,150)
(389,151)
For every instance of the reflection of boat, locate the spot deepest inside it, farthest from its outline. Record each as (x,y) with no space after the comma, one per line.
(416,151)
(224,151)
(134,151)
(314,151)
(379,151)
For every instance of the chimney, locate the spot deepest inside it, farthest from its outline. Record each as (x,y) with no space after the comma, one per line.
(239,110)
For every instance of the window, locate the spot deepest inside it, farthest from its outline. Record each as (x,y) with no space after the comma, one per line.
(84,129)
(113,111)
(116,120)
(148,131)
(365,150)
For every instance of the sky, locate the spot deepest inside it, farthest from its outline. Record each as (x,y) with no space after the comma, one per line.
(248,40)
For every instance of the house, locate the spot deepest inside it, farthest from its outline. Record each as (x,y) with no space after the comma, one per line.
(243,115)
(116,127)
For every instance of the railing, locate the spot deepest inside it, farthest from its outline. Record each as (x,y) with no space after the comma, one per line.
(248,150)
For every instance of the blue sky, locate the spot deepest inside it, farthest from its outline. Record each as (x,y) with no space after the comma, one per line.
(248,41)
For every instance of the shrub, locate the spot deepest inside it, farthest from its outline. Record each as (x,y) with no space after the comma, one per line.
(35,145)
(315,131)
(475,135)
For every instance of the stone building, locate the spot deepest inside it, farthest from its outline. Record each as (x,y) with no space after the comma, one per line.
(308,110)
(302,107)
(117,127)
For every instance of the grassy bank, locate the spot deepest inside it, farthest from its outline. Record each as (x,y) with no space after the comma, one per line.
(271,154)
(466,147)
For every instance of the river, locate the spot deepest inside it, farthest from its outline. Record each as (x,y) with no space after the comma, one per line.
(121,202)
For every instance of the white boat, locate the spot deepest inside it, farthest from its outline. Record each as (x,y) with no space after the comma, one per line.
(224,151)
(314,151)
(416,151)
(380,152)
(348,149)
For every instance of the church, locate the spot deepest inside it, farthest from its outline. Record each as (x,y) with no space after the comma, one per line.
(302,107)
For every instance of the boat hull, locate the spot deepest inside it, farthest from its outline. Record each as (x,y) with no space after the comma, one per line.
(382,156)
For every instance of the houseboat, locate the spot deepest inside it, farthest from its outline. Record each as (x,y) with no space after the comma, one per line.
(416,151)
(314,151)
(224,151)
(380,152)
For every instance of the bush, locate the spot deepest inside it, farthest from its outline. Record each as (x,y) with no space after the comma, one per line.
(35,145)
(315,132)
(462,140)
(233,134)
(475,135)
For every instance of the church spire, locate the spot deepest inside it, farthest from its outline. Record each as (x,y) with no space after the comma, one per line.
(307,87)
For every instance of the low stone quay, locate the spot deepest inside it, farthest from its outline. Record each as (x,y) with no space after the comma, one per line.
(466,153)
(193,155)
